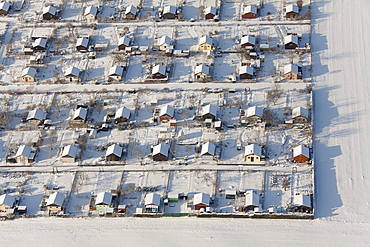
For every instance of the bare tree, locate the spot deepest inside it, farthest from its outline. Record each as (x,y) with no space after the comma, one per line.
(269,117)
(274,94)
(285,183)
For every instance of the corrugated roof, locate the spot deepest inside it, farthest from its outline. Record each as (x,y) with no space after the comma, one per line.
(103,198)
(291,8)
(252,198)
(201,198)
(291,38)
(161,149)
(114,149)
(167,109)
(209,109)
(124,41)
(116,70)
(36,114)
(253,149)
(169,9)
(29,71)
(165,40)
(40,42)
(300,112)
(122,112)
(7,200)
(5,6)
(210,10)
(255,111)
(56,198)
(302,200)
(82,42)
(91,10)
(208,148)
(153,199)
(246,70)
(80,113)
(50,9)
(206,39)
(291,68)
(71,151)
(159,69)
(72,71)
(201,69)
(131,9)
(248,39)
(301,150)
(250,9)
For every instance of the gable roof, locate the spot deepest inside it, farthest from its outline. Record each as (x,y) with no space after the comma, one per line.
(116,70)
(253,149)
(201,69)
(291,8)
(291,38)
(301,150)
(167,110)
(208,148)
(122,112)
(70,151)
(209,109)
(56,198)
(202,198)
(5,6)
(124,41)
(72,71)
(248,39)
(246,70)
(7,200)
(300,112)
(131,9)
(169,9)
(36,114)
(91,10)
(159,69)
(291,68)
(210,10)
(252,198)
(82,42)
(153,199)
(161,149)
(50,9)
(114,149)
(80,113)
(40,42)
(24,150)
(255,111)
(302,200)
(29,71)
(250,9)
(164,40)
(103,198)
(206,39)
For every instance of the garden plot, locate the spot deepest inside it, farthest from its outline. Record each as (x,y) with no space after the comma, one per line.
(136,72)
(186,38)
(191,10)
(151,4)
(144,36)
(239,181)
(72,11)
(183,68)
(230,11)
(225,67)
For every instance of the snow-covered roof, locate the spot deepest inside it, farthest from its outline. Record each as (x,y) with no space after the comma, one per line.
(56,198)
(248,39)
(167,110)
(291,68)
(201,198)
(70,151)
(114,149)
(208,148)
(7,200)
(255,111)
(250,9)
(210,10)
(124,41)
(122,112)
(116,70)
(291,8)
(72,71)
(301,150)
(103,198)
(169,9)
(36,114)
(253,149)
(153,199)
(29,71)
(246,70)
(80,113)
(159,69)
(82,42)
(209,109)
(25,151)
(91,10)
(5,6)
(291,38)
(131,9)
(206,39)
(50,9)
(40,42)
(300,112)
(252,198)
(161,149)
(164,40)
(302,200)
(201,69)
